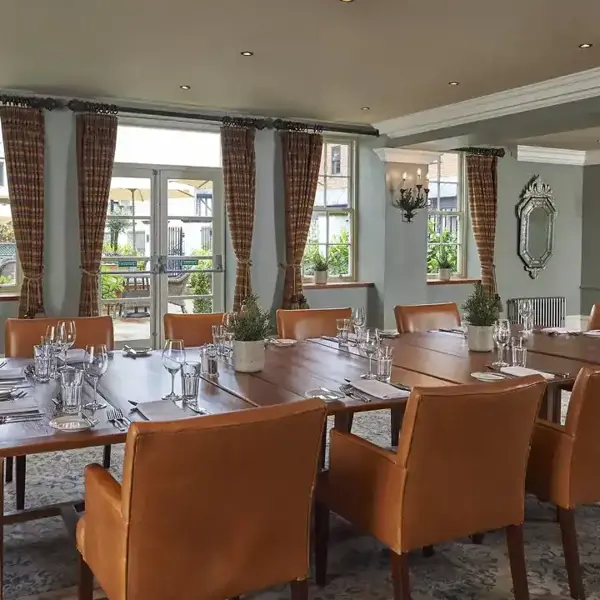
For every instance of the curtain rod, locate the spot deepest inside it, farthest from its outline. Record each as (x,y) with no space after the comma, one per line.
(77,105)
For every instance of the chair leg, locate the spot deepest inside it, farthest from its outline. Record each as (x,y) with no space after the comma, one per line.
(9,469)
(321,542)
(106,457)
(20,480)
(299,589)
(477,538)
(569,539)
(516,556)
(86,581)
(400,576)
(428,551)
(396,417)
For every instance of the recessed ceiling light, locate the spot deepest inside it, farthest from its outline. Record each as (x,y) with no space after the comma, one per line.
(585,46)
(346,0)
(185,87)
(453,83)
(365,108)
(247,53)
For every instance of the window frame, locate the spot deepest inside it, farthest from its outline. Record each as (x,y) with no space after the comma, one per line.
(351,211)
(462,214)
(14,289)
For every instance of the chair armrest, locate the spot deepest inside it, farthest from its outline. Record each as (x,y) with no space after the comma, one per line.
(104,530)
(365,485)
(548,470)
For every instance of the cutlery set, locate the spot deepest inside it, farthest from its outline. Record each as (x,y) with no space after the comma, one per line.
(117,419)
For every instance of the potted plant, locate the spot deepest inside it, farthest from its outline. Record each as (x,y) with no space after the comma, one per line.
(250,326)
(320,267)
(445,265)
(481,311)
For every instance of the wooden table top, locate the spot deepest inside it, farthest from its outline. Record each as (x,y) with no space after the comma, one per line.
(420,359)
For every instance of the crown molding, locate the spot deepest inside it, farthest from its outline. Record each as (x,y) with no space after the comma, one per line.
(407,156)
(592,157)
(560,90)
(555,156)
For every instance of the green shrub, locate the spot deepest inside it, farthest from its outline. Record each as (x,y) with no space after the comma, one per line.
(200,283)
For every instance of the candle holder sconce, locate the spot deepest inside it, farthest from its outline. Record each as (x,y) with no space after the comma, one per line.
(410,199)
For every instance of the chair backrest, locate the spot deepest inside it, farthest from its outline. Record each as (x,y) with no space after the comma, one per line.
(580,456)
(421,317)
(194,330)
(308,323)
(594,322)
(220,505)
(464,452)
(21,335)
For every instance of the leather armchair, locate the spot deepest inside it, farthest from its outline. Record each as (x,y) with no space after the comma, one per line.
(421,317)
(20,336)
(594,322)
(459,469)
(563,466)
(194,330)
(309,323)
(209,508)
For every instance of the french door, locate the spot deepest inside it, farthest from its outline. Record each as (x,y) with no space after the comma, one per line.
(163,248)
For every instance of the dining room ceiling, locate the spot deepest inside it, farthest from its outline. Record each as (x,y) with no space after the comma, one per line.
(582,139)
(316,59)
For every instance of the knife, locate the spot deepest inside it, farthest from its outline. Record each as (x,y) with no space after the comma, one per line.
(130,352)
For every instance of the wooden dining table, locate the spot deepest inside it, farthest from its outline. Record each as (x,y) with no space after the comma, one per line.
(425,360)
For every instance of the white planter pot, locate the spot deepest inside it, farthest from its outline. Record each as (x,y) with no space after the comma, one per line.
(320,277)
(445,274)
(480,339)
(249,357)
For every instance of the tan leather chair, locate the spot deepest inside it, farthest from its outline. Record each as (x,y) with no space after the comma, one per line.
(564,465)
(421,317)
(459,469)
(211,507)
(594,322)
(309,323)
(194,330)
(21,335)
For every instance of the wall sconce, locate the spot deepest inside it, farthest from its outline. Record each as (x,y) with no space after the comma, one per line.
(411,199)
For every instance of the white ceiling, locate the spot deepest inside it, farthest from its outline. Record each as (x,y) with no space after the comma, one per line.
(320,59)
(583,139)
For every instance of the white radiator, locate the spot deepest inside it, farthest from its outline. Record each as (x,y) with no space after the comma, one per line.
(547,312)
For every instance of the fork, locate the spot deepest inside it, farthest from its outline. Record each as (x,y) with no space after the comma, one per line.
(112,419)
(351,391)
(122,418)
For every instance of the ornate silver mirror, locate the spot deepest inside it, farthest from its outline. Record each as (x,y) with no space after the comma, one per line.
(536,213)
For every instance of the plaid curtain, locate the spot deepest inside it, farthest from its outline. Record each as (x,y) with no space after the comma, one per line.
(239,175)
(482,178)
(96,142)
(301,162)
(23,136)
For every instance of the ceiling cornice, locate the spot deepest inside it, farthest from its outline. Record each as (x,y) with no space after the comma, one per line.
(407,156)
(592,157)
(560,90)
(556,156)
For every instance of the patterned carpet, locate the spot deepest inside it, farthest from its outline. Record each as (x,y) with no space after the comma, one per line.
(41,563)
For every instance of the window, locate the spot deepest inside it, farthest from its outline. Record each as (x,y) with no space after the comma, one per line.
(447,216)
(10,277)
(331,233)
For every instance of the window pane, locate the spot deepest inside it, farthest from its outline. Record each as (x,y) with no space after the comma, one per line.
(320,195)
(186,238)
(8,246)
(146,145)
(337,159)
(338,192)
(129,196)
(449,167)
(443,228)
(434,194)
(190,198)
(448,197)
(340,258)
(310,253)
(317,232)
(339,228)
(124,236)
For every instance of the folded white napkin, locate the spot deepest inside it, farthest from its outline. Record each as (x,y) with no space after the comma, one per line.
(18,406)
(388,333)
(379,389)
(75,355)
(163,410)
(14,373)
(559,330)
(592,333)
(524,371)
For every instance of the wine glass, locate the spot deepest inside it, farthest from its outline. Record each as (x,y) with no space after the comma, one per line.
(501,333)
(66,333)
(358,321)
(526,315)
(173,357)
(369,344)
(227,320)
(51,340)
(95,364)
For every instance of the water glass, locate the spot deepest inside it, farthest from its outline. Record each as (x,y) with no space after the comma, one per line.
(66,333)
(526,316)
(218,336)
(71,386)
(384,363)
(519,356)
(343,326)
(228,343)
(43,359)
(190,381)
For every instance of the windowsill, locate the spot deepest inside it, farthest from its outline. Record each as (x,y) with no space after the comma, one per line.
(453,281)
(9,297)
(333,285)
